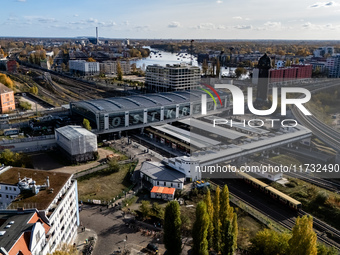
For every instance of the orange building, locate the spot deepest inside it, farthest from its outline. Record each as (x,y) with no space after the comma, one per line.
(7,102)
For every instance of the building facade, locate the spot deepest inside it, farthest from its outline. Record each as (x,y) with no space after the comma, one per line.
(83,68)
(53,196)
(333,66)
(172,77)
(110,67)
(7,102)
(117,114)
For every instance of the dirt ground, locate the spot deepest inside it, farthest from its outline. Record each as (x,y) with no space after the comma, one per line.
(44,161)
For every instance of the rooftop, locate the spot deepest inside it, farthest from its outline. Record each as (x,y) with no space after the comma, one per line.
(19,223)
(44,198)
(160,172)
(140,102)
(74,132)
(4,89)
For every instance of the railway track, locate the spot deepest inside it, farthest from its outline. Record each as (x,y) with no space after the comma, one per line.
(321,229)
(320,182)
(319,129)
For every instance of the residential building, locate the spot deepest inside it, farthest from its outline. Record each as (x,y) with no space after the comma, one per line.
(324,51)
(333,66)
(7,102)
(83,68)
(172,77)
(22,232)
(110,67)
(283,75)
(53,196)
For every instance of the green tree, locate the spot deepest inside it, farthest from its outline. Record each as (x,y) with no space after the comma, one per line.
(303,241)
(239,71)
(4,79)
(210,211)
(119,71)
(200,230)
(216,221)
(229,232)
(325,250)
(113,165)
(25,105)
(86,124)
(172,228)
(145,209)
(34,90)
(269,242)
(157,210)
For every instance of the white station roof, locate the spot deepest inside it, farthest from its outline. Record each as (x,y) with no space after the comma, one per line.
(220,131)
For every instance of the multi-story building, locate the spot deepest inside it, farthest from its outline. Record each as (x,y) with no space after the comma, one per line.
(22,232)
(172,77)
(322,51)
(333,66)
(110,67)
(55,198)
(7,102)
(84,68)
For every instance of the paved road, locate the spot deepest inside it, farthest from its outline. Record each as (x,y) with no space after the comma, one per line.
(112,231)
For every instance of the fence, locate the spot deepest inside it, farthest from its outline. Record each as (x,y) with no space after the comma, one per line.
(28,139)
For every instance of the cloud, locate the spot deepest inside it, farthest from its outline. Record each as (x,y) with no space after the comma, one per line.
(39,19)
(206,26)
(243,27)
(272,24)
(311,26)
(142,28)
(219,1)
(174,24)
(75,15)
(92,20)
(237,17)
(21,1)
(320,4)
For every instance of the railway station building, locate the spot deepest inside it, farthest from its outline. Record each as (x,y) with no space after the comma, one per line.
(109,115)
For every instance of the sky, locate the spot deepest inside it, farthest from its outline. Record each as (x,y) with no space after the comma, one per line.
(173,19)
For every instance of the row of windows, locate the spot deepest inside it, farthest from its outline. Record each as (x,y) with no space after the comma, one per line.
(171,184)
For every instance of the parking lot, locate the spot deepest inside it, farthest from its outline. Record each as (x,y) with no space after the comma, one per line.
(112,230)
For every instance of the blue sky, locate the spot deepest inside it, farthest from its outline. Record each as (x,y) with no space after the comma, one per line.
(183,19)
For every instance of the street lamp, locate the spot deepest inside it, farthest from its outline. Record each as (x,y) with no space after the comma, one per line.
(124,244)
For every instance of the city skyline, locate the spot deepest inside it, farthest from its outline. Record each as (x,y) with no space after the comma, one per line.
(202,19)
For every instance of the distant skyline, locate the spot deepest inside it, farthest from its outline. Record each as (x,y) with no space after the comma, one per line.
(177,19)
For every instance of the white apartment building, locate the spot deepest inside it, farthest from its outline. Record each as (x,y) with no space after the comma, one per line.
(172,77)
(53,195)
(110,67)
(84,68)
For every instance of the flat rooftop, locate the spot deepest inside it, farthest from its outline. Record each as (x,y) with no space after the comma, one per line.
(207,127)
(192,138)
(26,198)
(239,125)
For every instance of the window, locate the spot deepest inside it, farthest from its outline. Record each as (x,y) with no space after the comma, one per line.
(164,183)
(6,188)
(171,184)
(15,189)
(6,196)
(157,183)
(179,185)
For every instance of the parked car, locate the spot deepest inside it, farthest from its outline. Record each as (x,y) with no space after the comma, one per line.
(152,247)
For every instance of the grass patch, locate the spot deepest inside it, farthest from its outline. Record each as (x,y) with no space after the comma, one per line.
(285,160)
(129,201)
(104,185)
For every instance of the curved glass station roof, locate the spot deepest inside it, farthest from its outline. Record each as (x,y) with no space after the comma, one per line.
(137,102)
